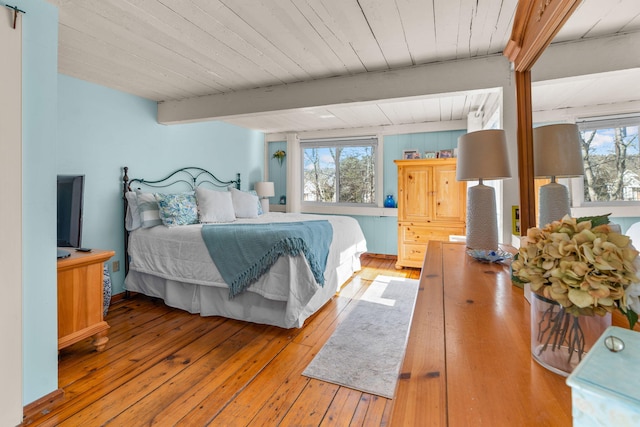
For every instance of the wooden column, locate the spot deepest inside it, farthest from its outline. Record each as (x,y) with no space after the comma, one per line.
(536,23)
(525,151)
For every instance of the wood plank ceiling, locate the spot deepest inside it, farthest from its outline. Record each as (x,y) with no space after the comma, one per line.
(178,49)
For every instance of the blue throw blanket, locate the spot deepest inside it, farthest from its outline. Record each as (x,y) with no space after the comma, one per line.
(244,252)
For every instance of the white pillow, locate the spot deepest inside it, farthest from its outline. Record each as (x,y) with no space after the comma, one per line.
(214,206)
(245,204)
(132,218)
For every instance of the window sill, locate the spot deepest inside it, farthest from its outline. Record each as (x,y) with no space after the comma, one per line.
(350,210)
(277,208)
(617,211)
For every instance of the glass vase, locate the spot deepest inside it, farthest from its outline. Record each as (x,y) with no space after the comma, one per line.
(559,340)
(389,202)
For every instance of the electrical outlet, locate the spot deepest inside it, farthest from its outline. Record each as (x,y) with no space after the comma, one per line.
(115,266)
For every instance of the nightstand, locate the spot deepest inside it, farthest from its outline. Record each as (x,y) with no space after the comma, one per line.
(80,298)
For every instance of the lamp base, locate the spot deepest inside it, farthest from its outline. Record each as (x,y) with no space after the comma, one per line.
(482,220)
(554,203)
(265,204)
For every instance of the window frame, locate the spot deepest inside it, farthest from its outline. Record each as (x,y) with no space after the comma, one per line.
(617,208)
(351,141)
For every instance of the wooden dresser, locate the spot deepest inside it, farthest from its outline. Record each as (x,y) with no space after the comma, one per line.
(468,361)
(80,298)
(431,206)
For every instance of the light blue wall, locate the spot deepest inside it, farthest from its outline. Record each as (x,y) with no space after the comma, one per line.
(381,233)
(74,127)
(39,121)
(277,171)
(423,141)
(101,130)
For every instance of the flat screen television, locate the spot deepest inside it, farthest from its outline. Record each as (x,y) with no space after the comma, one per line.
(70,198)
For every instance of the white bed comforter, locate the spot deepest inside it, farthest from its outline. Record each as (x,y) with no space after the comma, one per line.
(179,253)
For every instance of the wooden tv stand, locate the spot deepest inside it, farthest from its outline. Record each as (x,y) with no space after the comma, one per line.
(80,298)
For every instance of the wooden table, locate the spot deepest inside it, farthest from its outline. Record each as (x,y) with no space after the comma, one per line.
(468,360)
(80,298)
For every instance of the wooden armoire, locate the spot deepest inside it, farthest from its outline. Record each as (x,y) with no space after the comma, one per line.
(431,206)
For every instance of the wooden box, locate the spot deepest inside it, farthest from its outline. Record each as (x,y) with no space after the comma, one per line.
(604,386)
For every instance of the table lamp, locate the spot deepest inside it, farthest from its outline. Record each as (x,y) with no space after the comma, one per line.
(264,190)
(556,153)
(482,155)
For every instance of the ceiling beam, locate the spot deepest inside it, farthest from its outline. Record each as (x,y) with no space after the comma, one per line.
(588,56)
(432,79)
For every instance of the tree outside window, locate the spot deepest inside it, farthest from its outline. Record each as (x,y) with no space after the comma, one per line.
(611,156)
(339,172)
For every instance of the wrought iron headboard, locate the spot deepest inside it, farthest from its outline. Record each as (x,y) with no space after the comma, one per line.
(192,176)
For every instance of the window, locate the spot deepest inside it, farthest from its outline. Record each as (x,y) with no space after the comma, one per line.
(339,171)
(610,150)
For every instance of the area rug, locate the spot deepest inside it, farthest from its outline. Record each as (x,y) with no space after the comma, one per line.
(366,350)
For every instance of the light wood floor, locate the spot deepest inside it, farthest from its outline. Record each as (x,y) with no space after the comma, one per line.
(166,367)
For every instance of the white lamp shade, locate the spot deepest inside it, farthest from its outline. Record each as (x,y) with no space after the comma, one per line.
(557,151)
(483,155)
(264,189)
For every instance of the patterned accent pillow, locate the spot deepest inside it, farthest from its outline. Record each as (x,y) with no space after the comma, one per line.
(177,209)
(149,210)
(106,289)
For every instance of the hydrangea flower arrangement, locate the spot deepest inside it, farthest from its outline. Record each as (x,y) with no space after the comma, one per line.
(583,265)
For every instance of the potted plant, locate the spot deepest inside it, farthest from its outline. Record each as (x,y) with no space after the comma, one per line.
(280,155)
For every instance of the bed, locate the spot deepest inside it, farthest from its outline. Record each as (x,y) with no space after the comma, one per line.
(172,261)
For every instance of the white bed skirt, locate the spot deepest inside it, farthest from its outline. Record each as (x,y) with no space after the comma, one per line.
(248,306)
